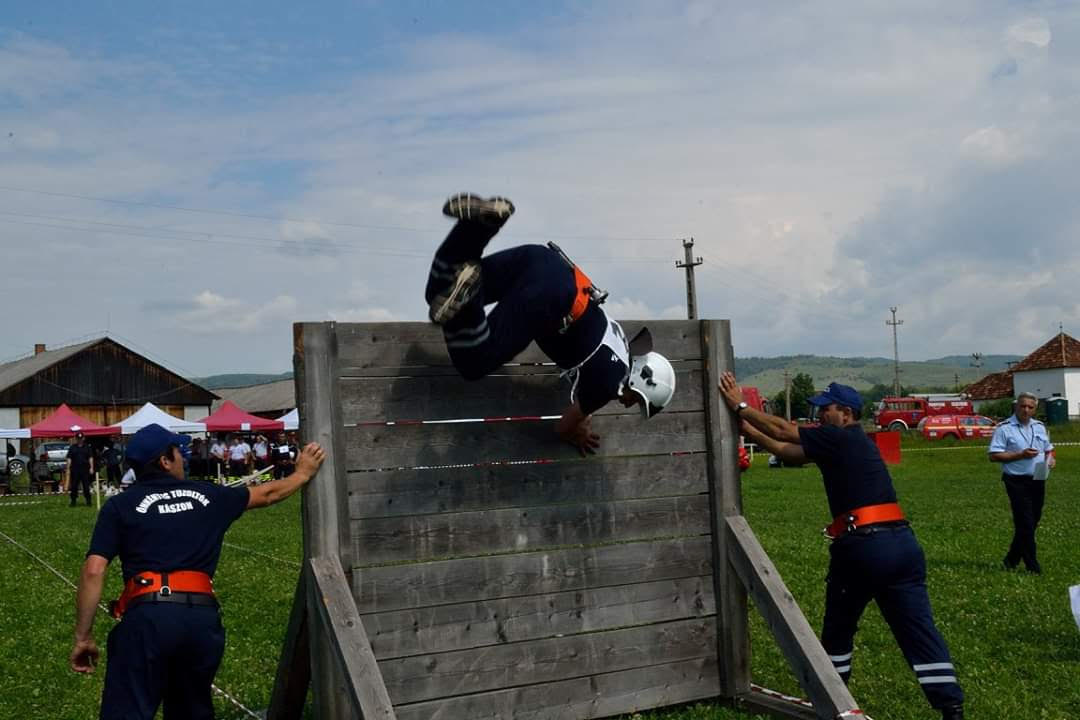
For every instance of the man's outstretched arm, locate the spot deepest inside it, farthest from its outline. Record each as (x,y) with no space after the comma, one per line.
(791,453)
(575,427)
(774,427)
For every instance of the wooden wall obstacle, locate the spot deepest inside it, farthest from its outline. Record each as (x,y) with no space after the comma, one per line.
(462,562)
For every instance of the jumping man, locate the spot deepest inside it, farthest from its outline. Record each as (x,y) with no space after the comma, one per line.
(539,296)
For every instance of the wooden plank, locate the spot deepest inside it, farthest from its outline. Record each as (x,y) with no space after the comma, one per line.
(427,677)
(596,696)
(773,704)
(442,628)
(382,345)
(416,538)
(294,667)
(329,596)
(413,492)
(451,396)
(396,587)
(325,521)
(723,469)
(789,627)
(400,446)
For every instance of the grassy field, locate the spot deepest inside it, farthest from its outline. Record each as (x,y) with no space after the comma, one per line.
(1013,639)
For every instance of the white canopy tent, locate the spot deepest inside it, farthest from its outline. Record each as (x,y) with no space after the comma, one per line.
(20,433)
(291,419)
(151,414)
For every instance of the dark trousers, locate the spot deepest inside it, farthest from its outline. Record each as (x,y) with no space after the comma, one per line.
(162,654)
(531,285)
(1026,498)
(887,566)
(77,480)
(113,474)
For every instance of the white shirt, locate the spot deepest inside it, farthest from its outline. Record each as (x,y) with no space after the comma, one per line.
(218,450)
(239,451)
(260,450)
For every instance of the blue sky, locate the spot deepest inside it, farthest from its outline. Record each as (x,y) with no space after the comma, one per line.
(201,175)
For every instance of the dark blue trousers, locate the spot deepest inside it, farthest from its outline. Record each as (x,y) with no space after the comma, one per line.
(1026,498)
(531,285)
(162,653)
(887,566)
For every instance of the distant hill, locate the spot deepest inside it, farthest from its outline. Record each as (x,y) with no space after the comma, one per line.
(230,380)
(862,373)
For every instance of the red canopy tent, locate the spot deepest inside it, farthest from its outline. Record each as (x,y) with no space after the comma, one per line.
(65,422)
(228,417)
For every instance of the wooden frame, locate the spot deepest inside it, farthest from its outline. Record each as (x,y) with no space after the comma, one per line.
(461,562)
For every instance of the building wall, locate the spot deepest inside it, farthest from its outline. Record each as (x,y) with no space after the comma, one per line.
(1047,383)
(100,414)
(9,418)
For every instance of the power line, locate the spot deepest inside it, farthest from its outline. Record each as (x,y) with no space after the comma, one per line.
(283,218)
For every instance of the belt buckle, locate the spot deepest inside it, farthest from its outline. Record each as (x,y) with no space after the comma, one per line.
(165,591)
(851,526)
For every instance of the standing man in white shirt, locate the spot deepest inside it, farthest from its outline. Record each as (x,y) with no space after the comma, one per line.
(217,457)
(1022,445)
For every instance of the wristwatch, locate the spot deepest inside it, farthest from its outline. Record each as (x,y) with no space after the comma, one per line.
(740,407)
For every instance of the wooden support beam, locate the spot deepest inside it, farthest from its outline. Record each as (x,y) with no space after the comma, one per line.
(733,636)
(789,627)
(294,667)
(331,598)
(326,524)
(776,705)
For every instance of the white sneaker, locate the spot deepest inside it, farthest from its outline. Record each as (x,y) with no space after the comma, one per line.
(492,211)
(449,303)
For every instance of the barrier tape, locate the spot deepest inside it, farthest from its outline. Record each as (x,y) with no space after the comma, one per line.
(101,606)
(4,503)
(56,493)
(974,447)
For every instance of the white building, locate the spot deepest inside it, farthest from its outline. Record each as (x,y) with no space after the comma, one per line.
(1052,371)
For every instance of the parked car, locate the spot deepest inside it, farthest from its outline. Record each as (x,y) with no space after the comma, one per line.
(961,427)
(57,452)
(11,462)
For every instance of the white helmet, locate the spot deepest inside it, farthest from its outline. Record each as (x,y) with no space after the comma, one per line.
(653,378)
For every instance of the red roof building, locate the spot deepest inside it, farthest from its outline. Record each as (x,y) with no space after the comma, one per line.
(1053,370)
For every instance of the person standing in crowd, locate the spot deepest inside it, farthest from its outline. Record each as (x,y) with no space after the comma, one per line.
(1022,445)
(874,554)
(80,466)
(114,457)
(218,451)
(283,456)
(199,458)
(261,451)
(239,457)
(168,533)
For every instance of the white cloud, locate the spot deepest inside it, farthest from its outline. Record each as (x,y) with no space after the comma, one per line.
(1028,34)
(212,314)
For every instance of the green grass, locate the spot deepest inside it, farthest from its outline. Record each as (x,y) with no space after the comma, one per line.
(1013,639)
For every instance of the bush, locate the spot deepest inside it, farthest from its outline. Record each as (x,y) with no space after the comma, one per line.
(999,409)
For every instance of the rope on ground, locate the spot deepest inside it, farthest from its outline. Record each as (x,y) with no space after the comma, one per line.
(290,563)
(101,606)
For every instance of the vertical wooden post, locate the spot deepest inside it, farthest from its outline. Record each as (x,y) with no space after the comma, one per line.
(326,523)
(294,667)
(733,637)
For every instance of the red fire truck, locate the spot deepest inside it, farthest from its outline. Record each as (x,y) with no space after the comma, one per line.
(903,413)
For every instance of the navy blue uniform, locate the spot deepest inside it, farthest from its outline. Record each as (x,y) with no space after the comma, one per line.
(533,288)
(883,563)
(165,652)
(80,456)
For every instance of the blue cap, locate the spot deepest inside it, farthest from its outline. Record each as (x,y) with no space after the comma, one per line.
(150,442)
(844,395)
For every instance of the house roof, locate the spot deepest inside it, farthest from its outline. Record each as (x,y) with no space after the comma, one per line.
(1061,351)
(993,386)
(269,397)
(15,372)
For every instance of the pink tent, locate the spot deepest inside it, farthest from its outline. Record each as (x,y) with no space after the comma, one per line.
(228,417)
(65,422)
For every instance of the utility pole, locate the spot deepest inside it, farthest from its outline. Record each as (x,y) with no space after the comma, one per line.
(787,395)
(690,263)
(896,352)
(956,382)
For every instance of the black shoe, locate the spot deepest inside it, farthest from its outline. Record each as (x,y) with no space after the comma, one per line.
(448,303)
(1007,564)
(492,211)
(953,712)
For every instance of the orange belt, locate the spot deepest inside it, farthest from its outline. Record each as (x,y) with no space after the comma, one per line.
(861,517)
(582,294)
(164,584)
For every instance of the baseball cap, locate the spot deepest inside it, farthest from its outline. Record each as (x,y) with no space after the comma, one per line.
(840,394)
(150,442)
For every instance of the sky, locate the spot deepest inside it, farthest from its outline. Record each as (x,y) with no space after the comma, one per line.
(192,178)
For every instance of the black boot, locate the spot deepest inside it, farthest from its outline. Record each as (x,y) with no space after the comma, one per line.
(953,712)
